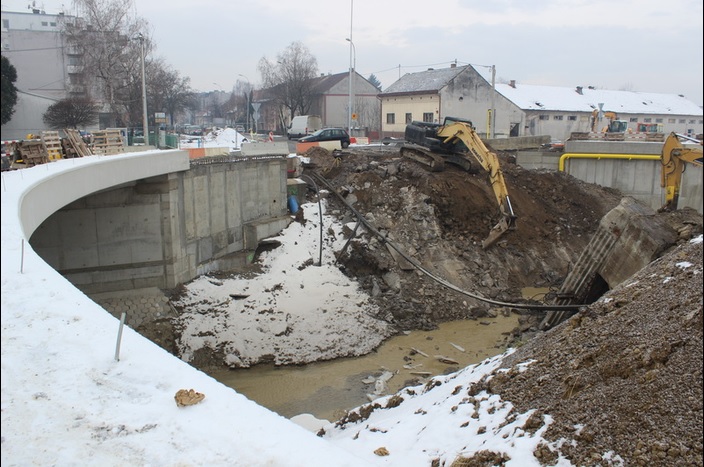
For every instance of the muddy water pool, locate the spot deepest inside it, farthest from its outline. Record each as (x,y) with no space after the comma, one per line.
(327,389)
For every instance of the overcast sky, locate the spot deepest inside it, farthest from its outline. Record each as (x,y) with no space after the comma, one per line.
(650,46)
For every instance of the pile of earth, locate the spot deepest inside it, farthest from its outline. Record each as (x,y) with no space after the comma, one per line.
(623,376)
(440,219)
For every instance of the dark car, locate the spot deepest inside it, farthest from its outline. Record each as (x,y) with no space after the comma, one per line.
(328,134)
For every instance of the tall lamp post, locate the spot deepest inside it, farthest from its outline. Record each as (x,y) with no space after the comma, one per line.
(247,97)
(145,122)
(352,49)
(353,65)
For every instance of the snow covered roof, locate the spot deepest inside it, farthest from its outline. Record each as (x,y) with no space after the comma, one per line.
(555,98)
(536,97)
(424,81)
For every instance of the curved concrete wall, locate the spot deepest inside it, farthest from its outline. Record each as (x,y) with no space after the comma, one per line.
(47,196)
(129,227)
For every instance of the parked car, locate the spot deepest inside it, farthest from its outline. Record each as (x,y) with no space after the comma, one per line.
(328,134)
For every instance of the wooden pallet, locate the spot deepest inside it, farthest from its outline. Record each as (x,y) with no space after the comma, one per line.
(52,144)
(32,152)
(76,147)
(108,142)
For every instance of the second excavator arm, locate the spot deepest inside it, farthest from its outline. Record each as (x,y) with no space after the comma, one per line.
(452,132)
(673,158)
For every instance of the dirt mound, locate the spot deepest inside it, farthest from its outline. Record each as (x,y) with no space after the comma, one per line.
(625,376)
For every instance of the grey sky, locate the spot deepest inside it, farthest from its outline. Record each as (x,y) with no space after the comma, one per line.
(650,46)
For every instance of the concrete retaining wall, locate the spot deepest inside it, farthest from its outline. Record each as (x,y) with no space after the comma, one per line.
(639,179)
(167,229)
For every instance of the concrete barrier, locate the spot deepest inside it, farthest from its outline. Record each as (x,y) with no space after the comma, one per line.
(301,148)
(196,153)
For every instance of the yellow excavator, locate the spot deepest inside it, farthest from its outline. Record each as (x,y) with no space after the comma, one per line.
(456,142)
(673,159)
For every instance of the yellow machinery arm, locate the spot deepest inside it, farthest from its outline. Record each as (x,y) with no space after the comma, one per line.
(673,158)
(452,132)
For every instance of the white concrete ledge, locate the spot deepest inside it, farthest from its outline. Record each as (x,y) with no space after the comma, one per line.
(80,177)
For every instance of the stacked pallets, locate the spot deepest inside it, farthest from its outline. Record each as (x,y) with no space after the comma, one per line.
(108,142)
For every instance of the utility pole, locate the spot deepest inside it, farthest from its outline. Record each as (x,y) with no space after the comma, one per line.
(493,102)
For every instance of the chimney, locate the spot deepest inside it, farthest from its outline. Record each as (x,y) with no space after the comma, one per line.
(579,90)
(512,83)
(453,65)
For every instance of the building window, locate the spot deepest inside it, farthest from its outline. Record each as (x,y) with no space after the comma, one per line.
(45,23)
(692,121)
(391,118)
(544,117)
(52,24)
(647,120)
(671,120)
(633,119)
(658,120)
(409,117)
(6,23)
(682,120)
(428,117)
(572,118)
(557,117)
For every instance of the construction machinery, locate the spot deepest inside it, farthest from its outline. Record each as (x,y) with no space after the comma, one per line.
(456,142)
(649,127)
(673,159)
(615,125)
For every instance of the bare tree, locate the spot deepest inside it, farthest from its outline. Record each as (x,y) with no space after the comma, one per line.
(71,113)
(105,39)
(290,79)
(368,115)
(168,91)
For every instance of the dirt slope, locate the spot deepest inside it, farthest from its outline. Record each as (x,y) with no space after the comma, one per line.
(624,376)
(440,219)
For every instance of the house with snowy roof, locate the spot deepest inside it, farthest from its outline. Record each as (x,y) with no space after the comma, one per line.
(527,110)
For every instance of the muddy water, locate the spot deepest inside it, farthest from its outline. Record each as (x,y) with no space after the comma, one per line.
(327,389)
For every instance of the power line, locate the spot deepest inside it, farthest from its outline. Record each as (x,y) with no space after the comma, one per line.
(33,50)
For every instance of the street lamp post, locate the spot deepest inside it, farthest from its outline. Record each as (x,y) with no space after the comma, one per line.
(353,65)
(145,122)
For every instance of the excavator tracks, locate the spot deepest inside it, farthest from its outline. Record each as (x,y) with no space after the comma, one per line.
(435,162)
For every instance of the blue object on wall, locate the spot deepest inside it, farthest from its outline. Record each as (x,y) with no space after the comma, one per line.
(293,204)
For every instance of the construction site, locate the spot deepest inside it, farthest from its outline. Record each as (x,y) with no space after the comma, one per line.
(433,243)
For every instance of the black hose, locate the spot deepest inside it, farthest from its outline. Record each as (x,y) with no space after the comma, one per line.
(437,279)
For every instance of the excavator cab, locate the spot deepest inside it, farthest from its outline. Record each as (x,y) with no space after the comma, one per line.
(617,126)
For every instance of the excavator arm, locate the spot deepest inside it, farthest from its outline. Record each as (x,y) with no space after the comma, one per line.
(459,131)
(673,159)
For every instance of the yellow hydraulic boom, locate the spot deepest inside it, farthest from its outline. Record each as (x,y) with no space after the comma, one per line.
(673,158)
(454,131)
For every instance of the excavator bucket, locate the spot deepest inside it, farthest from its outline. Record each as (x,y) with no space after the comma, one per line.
(506,224)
